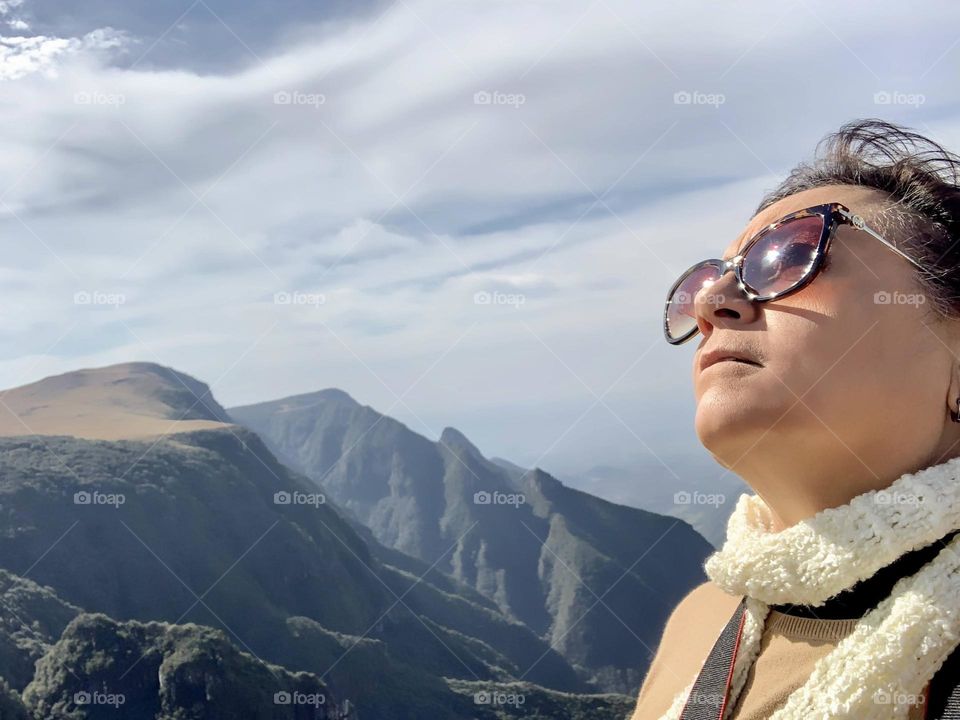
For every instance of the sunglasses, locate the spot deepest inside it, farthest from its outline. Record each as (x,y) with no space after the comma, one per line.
(780,259)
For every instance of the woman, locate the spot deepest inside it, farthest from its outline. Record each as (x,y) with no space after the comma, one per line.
(827,376)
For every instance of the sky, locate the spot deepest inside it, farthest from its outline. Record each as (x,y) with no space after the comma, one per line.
(463,213)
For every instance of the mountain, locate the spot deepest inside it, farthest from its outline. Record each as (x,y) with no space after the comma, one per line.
(72,664)
(129,400)
(122,544)
(690,486)
(154,670)
(596,580)
(32,618)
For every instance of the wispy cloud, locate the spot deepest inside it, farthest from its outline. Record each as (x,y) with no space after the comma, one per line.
(372,186)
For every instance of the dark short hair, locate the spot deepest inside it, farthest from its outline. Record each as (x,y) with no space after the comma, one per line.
(922,179)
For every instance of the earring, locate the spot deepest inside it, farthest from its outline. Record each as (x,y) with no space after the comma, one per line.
(955,415)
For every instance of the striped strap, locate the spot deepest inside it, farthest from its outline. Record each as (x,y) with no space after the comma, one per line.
(708,697)
(942,694)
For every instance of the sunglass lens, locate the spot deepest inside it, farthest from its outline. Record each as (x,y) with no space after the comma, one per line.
(680,317)
(781,259)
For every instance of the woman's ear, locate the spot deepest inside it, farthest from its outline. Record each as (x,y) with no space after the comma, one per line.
(953,392)
(948,332)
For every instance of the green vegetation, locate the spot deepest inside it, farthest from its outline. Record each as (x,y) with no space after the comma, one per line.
(594,579)
(175,672)
(195,576)
(309,594)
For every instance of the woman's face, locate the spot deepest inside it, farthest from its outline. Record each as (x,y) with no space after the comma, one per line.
(853,372)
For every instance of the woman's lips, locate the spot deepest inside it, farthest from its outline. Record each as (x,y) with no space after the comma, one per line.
(720,355)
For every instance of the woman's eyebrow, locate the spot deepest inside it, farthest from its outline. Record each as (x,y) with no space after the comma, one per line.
(744,239)
(739,248)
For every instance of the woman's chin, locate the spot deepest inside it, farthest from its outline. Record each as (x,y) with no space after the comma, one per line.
(728,423)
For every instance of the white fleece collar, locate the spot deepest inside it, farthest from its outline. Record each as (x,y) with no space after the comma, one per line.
(880,670)
(817,558)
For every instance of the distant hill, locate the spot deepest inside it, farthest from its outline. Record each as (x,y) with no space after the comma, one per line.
(129,400)
(203,527)
(690,486)
(594,579)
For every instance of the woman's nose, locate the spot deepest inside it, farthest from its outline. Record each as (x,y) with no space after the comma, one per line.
(722,304)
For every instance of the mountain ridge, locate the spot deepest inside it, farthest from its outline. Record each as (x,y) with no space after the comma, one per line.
(204,526)
(520,537)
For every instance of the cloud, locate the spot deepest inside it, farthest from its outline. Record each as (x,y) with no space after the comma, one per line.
(8,6)
(204,36)
(38,54)
(406,178)
(21,56)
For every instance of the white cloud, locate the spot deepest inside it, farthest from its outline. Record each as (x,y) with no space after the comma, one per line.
(6,6)
(21,56)
(398,197)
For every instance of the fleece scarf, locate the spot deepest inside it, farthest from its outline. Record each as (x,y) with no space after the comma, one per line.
(895,649)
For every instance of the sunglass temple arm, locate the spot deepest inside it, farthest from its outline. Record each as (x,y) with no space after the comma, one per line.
(858,223)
